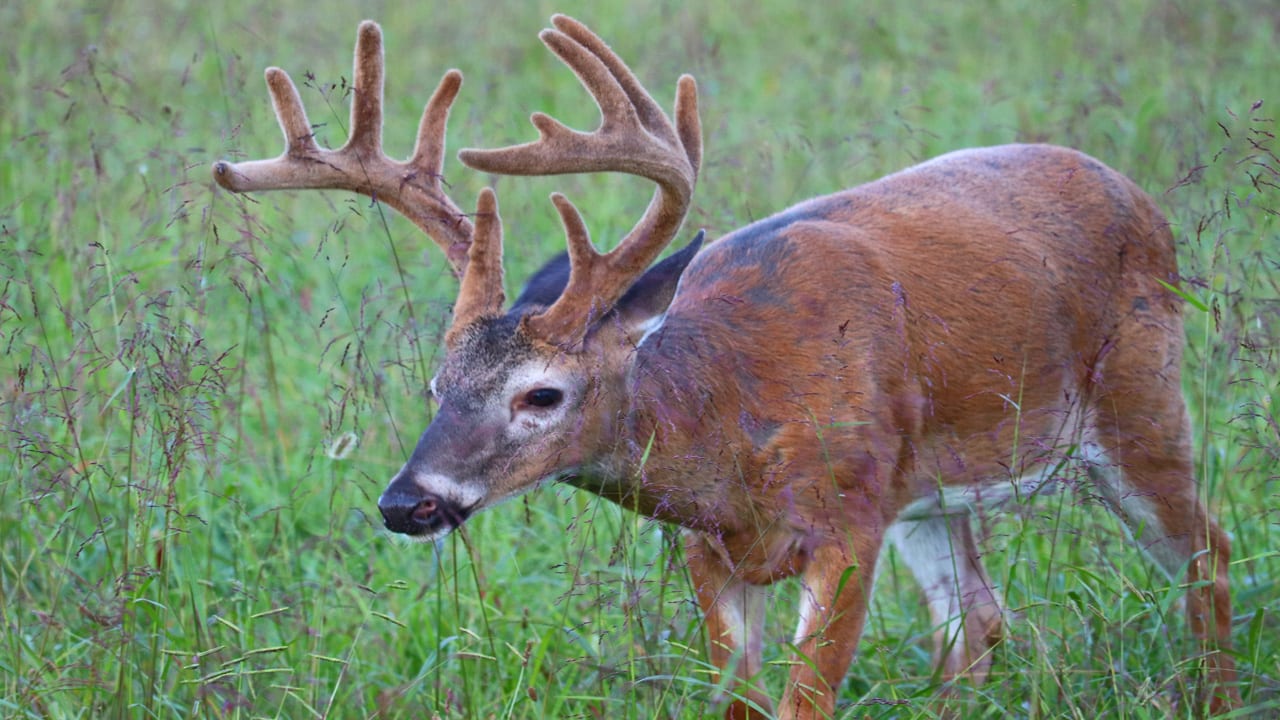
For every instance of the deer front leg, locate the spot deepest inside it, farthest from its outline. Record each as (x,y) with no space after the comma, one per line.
(734,616)
(834,592)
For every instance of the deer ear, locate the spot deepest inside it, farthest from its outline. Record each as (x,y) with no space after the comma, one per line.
(649,296)
(544,286)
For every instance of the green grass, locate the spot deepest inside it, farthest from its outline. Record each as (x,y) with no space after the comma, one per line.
(179,536)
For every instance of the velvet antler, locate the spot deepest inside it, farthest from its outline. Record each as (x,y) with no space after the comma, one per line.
(414,188)
(635,137)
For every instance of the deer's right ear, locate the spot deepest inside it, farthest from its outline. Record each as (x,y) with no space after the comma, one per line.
(649,296)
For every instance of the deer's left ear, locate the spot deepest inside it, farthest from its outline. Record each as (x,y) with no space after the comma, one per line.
(649,296)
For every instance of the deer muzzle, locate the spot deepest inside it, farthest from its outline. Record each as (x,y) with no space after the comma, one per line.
(414,512)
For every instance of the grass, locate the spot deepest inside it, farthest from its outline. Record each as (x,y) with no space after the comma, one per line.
(201,395)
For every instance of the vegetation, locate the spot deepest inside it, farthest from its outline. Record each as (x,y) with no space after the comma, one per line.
(202,395)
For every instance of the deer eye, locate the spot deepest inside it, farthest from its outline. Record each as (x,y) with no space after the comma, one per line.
(543,397)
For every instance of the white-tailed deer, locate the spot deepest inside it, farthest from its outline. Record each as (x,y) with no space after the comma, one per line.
(862,367)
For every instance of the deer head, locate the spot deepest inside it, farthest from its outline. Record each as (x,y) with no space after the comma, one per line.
(528,394)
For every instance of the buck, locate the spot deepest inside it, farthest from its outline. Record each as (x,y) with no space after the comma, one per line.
(864,367)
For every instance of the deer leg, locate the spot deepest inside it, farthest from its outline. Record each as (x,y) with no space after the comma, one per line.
(834,592)
(1156,499)
(963,605)
(1145,474)
(734,616)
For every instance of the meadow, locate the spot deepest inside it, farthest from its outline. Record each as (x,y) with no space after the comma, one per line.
(202,395)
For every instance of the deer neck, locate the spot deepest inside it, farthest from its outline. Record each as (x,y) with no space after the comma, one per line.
(645,460)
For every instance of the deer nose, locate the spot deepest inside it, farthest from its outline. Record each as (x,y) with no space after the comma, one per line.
(419,513)
(410,514)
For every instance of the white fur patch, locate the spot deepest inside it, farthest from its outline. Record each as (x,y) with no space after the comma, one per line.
(650,326)
(926,547)
(1139,517)
(535,421)
(808,610)
(742,606)
(462,494)
(996,492)
(733,612)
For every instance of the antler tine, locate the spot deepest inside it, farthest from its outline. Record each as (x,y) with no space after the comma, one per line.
(635,137)
(414,188)
(648,112)
(480,293)
(366,104)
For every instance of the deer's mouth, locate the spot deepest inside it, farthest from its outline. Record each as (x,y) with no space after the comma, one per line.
(420,515)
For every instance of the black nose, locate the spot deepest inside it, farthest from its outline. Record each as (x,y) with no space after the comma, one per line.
(418,513)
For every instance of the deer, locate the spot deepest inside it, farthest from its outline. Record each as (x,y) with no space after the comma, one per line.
(864,369)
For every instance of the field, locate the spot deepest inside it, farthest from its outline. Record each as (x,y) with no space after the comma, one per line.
(202,395)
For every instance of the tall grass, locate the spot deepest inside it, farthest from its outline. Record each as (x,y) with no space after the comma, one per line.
(202,395)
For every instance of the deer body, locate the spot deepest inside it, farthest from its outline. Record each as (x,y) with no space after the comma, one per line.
(816,377)
(829,325)
(860,369)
